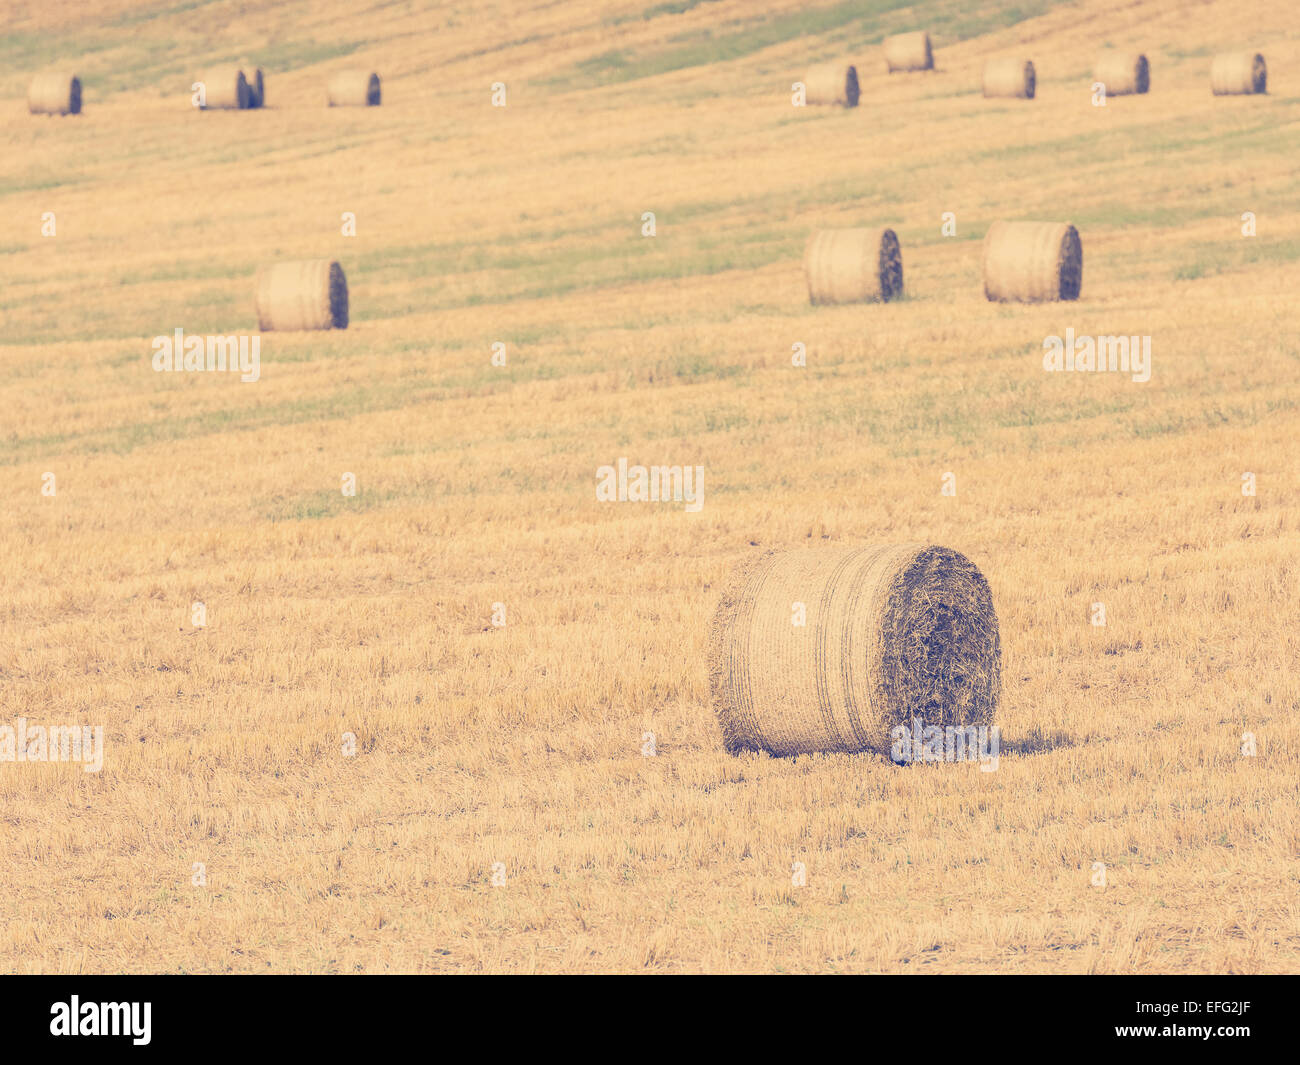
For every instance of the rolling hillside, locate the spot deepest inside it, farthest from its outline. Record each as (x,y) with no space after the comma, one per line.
(353,752)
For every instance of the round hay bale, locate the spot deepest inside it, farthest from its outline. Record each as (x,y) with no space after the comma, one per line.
(853,266)
(1032,262)
(1123,73)
(224,90)
(256,88)
(54,93)
(303,295)
(1010,77)
(892,632)
(1238,73)
(832,83)
(909,51)
(354,88)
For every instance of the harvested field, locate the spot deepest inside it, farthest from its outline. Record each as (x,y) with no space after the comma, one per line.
(448,675)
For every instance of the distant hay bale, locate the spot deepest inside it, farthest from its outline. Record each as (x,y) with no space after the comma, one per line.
(832,83)
(891,633)
(1032,262)
(302,295)
(1010,77)
(54,93)
(256,88)
(853,266)
(354,88)
(1238,73)
(224,90)
(1123,73)
(909,51)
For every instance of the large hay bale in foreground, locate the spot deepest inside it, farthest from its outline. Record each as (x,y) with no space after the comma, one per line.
(1238,73)
(1032,262)
(1123,73)
(1010,77)
(54,93)
(832,83)
(354,88)
(224,90)
(892,633)
(302,295)
(853,266)
(909,51)
(256,88)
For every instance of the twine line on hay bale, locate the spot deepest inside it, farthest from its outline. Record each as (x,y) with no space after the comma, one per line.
(1238,74)
(54,93)
(1010,77)
(224,90)
(853,266)
(1123,73)
(909,51)
(832,84)
(355,88)
(311,294)
(892,633)
(1032,262)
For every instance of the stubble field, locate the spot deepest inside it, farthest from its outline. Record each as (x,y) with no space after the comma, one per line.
(371,616)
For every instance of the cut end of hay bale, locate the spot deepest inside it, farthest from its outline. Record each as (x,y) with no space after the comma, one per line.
(55,93)
(891,633)
(1123,73)
(853,266)
(1032,262)
(832,84)
(1239,74)
(256,89)
(307,295)
(355,88)
(1010,77)
(908,51)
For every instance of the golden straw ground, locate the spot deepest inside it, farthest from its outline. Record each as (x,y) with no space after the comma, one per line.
(364,623)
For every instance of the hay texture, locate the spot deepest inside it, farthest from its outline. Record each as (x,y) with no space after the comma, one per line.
(224,90)
(1010,77)
(54,93)
(302,295)
(256,88)
(1123,73)
(909,51)
(1032,262)
(894,632)
(853,266)
(354,88)
(832,84)
(1238,73)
